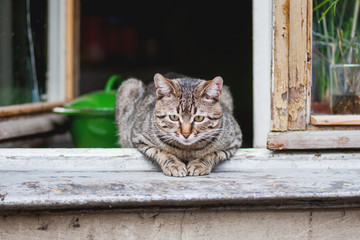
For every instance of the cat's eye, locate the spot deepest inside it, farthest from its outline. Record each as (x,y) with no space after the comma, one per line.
(198,118)
(174,117)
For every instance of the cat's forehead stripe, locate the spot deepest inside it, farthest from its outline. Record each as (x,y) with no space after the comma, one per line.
(188,84)
(187,97)
(186,102)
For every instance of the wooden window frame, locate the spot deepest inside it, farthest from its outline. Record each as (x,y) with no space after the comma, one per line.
(23,119)
(292,126)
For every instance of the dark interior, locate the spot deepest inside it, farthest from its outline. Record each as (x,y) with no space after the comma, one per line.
(194,38)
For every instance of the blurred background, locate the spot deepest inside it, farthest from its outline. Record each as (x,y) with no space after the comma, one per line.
(195,38)
(200,39)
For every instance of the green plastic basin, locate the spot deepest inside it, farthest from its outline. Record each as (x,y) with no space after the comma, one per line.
(92,117)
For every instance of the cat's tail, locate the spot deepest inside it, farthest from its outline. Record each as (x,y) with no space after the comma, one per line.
(129,94)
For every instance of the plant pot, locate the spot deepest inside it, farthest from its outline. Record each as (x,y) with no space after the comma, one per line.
(320,108)
(345,88)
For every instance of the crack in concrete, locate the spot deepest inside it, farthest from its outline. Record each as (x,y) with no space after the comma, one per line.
(181,225)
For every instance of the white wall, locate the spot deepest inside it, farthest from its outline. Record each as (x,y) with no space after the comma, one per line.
(262,42)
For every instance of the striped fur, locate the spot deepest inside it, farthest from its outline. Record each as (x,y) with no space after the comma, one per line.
(185,125)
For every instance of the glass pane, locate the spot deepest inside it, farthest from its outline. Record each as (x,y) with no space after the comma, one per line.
(23,35)
(336,57)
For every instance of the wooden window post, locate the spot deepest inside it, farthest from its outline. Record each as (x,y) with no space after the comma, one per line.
(291,86)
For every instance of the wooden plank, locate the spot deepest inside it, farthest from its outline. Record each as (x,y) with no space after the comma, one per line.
(30,125)
(77,18)
(28,108)
(70,49)
(298,37)
(279,90)
(335,120)
(327,139)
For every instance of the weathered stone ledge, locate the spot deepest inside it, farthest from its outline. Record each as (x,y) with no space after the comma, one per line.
(68,179)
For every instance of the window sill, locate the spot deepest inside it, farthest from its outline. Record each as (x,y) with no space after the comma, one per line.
(314,139)
(335,120)
(17,127)
(28,108)
(67,179)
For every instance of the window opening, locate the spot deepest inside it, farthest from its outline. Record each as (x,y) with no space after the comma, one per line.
(123,38)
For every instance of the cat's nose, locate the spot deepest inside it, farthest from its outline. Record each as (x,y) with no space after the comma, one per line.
(186,134)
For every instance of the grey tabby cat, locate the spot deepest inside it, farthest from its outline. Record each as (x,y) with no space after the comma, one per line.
(185,125)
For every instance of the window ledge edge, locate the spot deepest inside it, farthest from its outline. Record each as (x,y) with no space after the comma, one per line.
(252,179)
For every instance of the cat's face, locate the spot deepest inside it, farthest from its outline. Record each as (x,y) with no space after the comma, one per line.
(188,111)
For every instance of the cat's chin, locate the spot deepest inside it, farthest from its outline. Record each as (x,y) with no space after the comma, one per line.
(186,142)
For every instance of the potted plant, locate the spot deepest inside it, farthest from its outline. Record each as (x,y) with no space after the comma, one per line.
(336,58)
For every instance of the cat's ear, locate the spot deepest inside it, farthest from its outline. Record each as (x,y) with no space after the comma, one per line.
(212,89)
(164,86)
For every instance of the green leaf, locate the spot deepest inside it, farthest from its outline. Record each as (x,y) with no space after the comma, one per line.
(321,4)
(328,9)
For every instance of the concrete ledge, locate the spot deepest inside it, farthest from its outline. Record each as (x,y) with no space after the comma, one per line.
(68,179)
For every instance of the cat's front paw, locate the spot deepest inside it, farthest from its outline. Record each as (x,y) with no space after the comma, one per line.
(198,167)
(175,169)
